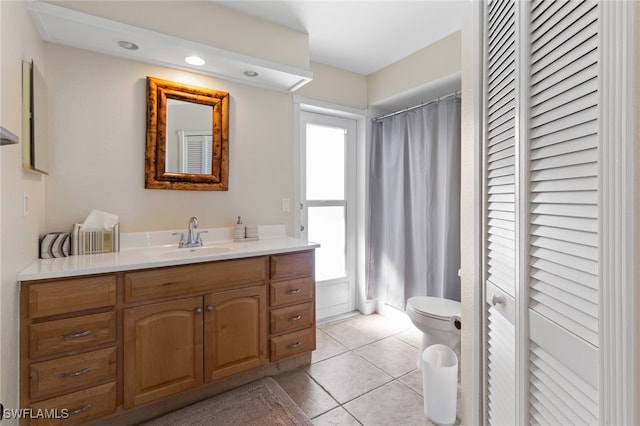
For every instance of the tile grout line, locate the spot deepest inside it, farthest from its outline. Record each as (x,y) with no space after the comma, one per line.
(390,377)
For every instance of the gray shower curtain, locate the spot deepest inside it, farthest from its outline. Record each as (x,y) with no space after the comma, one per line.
(414,204)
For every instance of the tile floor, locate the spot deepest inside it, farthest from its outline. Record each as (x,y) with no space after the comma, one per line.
(363,372)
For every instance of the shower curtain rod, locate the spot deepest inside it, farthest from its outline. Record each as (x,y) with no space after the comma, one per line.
(438,99)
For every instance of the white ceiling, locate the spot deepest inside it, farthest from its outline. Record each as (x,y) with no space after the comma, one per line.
(360,36)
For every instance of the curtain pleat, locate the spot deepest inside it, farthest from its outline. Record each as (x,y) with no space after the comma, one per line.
(414,205)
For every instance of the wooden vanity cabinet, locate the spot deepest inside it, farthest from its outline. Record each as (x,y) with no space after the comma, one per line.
(100,344)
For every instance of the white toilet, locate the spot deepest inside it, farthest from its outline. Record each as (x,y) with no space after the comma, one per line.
(439,321)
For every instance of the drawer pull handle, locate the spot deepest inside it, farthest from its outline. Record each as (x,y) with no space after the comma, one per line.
(76,373)
(296,318)
(294,345)
(76,335)
(294,291)
(80,410)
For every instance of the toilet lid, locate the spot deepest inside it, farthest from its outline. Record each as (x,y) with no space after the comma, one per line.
(435,306)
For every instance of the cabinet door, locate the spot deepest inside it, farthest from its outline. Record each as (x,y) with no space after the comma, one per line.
(235,337)
(163,349)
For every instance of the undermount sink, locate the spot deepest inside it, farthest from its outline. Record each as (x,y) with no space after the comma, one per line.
(196,251)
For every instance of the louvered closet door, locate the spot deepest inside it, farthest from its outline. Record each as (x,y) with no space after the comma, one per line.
(541,212)
(563,205)
(500,213)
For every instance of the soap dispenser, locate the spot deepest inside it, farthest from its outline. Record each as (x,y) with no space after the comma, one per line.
(239,230)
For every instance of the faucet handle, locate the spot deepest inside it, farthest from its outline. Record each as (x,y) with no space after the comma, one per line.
(181,243)
(198,239)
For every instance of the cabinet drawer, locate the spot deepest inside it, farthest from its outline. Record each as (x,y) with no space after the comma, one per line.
(72,372)
(81,406)
(57,337)
(61,297)
(292,265)
(180,280)
(292,344)
(291,318)
(291,291)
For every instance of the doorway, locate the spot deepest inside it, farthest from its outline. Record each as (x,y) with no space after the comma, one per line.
(327,207)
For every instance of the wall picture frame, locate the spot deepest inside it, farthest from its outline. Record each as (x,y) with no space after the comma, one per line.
(35,119)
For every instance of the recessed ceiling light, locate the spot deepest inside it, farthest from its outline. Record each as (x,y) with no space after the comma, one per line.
(194,60)
(250,73)
(129,45)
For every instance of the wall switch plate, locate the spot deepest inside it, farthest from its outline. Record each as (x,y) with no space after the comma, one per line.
(286,205)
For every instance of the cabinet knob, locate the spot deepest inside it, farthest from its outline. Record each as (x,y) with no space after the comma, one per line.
(209,308)
(198,310)
(497,299)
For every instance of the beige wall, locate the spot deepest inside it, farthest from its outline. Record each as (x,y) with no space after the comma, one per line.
(98,116)
(336,86)
(432,63)
(208,23)
(19,245)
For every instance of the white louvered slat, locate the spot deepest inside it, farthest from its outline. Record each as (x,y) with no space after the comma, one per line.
(577,184)
(563,394)
(569,23)
(580,117)
(567,211)
(500,215)
(565,234)
(545,69)
(563,222)
(501,366)
(581,250)
(558,148)
(544,278)
(562,271)
(194,155)
(585,130)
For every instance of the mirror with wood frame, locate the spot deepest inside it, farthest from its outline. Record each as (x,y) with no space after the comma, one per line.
(187,137)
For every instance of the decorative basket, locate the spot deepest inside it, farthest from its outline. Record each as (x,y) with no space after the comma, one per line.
(92,242)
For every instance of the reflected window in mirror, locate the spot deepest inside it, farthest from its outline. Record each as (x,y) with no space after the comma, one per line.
(187,137)
(194,151)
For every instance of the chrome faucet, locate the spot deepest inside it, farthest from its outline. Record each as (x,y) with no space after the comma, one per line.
(193,224)
(192,241)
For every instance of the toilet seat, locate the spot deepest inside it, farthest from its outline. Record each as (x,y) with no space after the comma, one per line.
(434,307)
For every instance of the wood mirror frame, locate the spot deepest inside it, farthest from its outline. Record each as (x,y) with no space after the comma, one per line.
(156,175)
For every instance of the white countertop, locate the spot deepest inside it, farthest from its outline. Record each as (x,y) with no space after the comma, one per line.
(154,256)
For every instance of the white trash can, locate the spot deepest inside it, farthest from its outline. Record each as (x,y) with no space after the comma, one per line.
(440,384)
